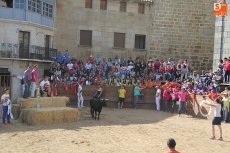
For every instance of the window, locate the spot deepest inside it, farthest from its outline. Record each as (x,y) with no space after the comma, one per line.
(86,37)
(103,5)
(123,6)
(19,4)
(8,3)
(119,40)
(140,41)
(88,3)
(34,5)
(141,8)
(47,10)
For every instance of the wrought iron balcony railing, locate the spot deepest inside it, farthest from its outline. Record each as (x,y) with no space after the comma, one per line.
(21,51)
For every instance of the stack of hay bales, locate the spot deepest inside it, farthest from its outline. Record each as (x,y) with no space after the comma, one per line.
(52,110)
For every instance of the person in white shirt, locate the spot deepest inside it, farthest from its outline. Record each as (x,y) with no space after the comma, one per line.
(6,107)
(80,97)
(158,97)
(45,86)
(217,118)
(70,65)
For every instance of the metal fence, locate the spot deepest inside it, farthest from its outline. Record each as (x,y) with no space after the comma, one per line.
(20,51)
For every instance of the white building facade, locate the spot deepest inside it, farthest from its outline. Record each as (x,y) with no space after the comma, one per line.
(26,38)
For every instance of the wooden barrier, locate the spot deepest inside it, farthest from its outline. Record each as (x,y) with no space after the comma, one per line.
(111,92)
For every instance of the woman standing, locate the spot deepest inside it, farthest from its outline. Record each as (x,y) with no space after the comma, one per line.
(217,119)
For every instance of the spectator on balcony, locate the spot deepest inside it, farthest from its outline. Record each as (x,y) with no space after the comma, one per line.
(98,59)
(66,57)
(59,58)
(4,4)
(34,80)
(27,76)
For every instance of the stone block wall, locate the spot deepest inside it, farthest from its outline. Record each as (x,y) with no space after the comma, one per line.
(180,29)
(72,16)
(183,29)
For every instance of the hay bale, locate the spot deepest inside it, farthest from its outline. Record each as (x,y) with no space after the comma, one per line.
(19,99)
(15,111)
(46,116)
(44,102)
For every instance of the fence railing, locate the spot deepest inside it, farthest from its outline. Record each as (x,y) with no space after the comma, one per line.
(21,51)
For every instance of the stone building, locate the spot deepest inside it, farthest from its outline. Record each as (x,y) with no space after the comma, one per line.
(222,37)
(180,29)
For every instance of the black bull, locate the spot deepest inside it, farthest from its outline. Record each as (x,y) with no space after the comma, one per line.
(96,105)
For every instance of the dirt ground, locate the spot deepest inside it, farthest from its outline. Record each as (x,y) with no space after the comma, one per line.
(119,131)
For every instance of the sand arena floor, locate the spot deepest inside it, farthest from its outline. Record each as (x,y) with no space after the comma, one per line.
(118,131)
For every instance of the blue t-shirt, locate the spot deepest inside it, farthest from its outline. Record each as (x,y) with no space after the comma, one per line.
(66,57)
(59,58)
(98,60)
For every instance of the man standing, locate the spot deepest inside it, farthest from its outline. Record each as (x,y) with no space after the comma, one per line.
(34,80)
(80,97)
(66,57)
(59,58)
(137,93)
(5,99)
(27,81)
(182,100)
(158,97)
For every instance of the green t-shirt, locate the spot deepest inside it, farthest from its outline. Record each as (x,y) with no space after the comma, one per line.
(136,91)
(226,103)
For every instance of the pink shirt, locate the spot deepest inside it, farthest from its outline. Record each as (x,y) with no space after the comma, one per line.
(175,95)
(166,94)
(34,74)
(182,96)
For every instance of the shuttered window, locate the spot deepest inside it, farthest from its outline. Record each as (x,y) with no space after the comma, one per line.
(103,5)
(86,37)
(140,41)
(88,3)
(123,6)
(141,8)
(119,40)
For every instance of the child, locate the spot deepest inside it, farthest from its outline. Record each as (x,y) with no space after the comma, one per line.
(171,143)
(122,93)
(5,99)
(217,118)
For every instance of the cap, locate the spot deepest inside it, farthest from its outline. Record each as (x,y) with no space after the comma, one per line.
(91,55)
(6,89)
(171,143)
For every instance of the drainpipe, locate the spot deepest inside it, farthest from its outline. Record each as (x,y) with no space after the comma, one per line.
(222,36)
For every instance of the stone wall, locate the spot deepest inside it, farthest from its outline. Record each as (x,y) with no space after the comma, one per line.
(217,40)
(180,29)
(72,16)
(184,29)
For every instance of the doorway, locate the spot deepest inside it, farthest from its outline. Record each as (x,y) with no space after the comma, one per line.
(24,43)
(5,79)
(47,47)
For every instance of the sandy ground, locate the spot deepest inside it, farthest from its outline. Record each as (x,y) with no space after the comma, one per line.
(126,130)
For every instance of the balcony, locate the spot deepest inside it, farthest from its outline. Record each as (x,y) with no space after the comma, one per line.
(24,14)
(26,52)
